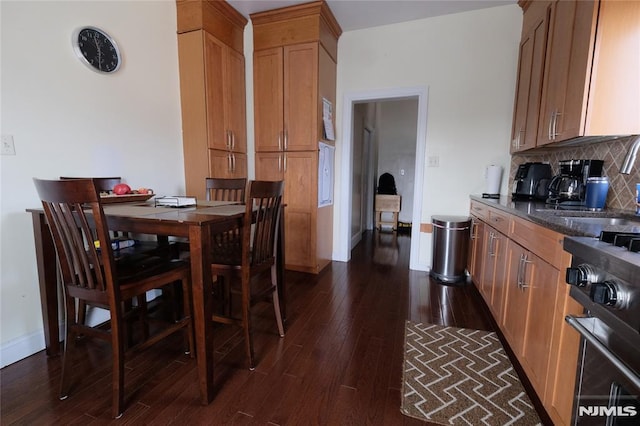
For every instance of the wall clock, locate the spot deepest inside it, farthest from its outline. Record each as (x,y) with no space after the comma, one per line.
(96,49)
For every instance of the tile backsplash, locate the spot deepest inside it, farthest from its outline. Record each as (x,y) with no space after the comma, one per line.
(622,189)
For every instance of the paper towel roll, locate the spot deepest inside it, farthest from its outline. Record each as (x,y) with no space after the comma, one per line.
(493,178)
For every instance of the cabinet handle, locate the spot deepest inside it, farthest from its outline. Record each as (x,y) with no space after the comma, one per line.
(286,140)
(550,126)
(474,231)
(496,238)
(491,240)
(228,135)
(524,285)
(233,163)
(285,162)
(280,162)
(233,140)
(519,275)
(555,124)
(229,166)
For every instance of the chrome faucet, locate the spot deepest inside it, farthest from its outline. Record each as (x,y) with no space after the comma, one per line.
(630,158)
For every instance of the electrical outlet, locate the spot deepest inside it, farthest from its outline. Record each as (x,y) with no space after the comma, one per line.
(433,161)
(6,145)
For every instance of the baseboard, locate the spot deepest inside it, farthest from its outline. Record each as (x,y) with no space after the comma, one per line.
(25,346)
(21,347)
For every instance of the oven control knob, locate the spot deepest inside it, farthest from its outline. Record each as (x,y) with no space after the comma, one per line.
(581,275)
(605,293)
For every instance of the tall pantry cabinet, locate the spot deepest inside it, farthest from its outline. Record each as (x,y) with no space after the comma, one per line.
(212,92)
(294,73)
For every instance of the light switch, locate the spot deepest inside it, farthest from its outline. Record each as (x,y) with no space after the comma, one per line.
(433,161)
(6,145)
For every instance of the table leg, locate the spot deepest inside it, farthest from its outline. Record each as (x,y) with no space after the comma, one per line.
(200,249)
(48,281)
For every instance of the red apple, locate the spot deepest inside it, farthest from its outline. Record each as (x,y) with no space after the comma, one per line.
(121,189)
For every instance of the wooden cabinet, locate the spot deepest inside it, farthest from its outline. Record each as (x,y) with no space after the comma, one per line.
(533,47)
(521,278)
(516,307)
(493,267)
(590,82)
(212,92)
(286,98)
(294,74)
(561,374)
(476,249)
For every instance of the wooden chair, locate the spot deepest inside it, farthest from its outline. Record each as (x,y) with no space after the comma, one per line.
(99,277)
(220,189)
(160,247)
(245,259)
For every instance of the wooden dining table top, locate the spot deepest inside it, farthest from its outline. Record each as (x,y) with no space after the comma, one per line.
(197,223)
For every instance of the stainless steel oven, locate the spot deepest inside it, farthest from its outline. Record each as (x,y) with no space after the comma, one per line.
(605,279)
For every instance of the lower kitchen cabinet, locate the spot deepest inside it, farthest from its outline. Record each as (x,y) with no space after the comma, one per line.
(227,164)
(493,268)
(518,267)
(516,306)
(476,249)
(562,371)
(544,281)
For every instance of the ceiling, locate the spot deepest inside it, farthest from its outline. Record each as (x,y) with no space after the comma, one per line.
(358,14)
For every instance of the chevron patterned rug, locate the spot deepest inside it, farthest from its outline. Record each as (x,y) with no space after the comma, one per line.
(458,376)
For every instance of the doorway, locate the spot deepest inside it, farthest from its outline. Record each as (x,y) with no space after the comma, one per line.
(346,228)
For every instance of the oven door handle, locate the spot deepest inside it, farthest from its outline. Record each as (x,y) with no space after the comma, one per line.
(575,322)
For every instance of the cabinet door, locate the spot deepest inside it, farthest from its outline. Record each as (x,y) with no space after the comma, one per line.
(556,75)
(214,68)
(533,47)
(499,276)
(561,375)
(269,166)
(476,251)
(235,101)
(516,307)
(301,97)
(268,92)
(537,345)
(226,164)
(301,200)
(488,264)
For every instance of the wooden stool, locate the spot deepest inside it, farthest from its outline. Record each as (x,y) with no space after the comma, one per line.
(387,204)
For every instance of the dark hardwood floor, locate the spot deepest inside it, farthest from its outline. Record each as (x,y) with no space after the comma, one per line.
(339,363)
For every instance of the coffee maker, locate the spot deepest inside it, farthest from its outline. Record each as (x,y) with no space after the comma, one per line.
(568,187)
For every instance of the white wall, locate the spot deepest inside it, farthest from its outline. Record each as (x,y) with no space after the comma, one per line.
(468,63)
(69,120)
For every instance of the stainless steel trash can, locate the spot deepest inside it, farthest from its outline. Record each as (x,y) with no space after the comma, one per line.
(451,235)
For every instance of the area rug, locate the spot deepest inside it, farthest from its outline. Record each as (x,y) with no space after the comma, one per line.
(458,376)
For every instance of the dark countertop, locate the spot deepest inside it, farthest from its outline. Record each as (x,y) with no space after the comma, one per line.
(560,219)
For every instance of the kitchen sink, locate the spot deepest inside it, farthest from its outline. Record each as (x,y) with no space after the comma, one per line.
(602,221)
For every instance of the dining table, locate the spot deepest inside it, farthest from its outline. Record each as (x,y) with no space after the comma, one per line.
(196,224)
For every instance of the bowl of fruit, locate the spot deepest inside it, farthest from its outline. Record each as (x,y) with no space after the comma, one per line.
(122,193)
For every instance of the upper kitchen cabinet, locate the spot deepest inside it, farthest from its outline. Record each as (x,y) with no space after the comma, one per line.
(533,47)
(212,91)
(295,54)
(590,84)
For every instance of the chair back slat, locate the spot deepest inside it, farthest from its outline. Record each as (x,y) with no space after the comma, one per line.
(263,209)
(66,203)
(220,189)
